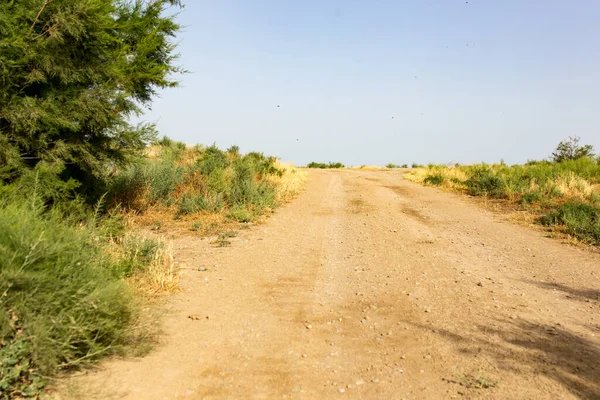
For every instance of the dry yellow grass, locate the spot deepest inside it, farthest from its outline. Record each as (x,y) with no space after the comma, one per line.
(450,175)
(572,186)
(161,276)
(367,168)
(290,183)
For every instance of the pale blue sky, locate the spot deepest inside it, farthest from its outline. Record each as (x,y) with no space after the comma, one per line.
(464,82)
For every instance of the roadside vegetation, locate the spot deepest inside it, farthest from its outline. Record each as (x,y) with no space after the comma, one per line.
(563,193)
(393,166)
(72,275)
(325,166)
(75,265)
(177,182)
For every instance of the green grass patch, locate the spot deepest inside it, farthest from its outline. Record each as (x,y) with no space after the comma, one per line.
(435,180)
(579,219)
(241,214)
(63,304)
(565,194)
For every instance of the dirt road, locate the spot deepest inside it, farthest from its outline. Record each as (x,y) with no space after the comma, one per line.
(369,286)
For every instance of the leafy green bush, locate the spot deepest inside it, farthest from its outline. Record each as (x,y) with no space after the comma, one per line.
(63,304)
(246,191)
(391,166)
(580,219)
(199,179)
(484,181)
(73,73)
(127,185)
(213,159)
(435,179)
(161,180)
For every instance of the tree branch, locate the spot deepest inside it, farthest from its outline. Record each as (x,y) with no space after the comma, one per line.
(39,13)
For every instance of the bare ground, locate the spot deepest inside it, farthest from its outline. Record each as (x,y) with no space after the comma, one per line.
(369,286)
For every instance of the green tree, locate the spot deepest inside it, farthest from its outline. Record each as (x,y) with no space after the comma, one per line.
(72,74)
(570,149)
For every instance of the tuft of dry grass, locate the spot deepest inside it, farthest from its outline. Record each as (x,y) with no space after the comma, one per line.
(161,276)
(289,184)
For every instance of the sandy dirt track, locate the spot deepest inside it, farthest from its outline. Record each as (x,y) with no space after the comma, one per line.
(369,286)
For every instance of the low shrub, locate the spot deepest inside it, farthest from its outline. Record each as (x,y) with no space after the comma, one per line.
(484,181)
(325,166)
(241,214)
(191,180)
(579,219)
(63,304)
(435,179)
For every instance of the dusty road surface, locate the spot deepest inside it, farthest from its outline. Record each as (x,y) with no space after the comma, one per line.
(369,286)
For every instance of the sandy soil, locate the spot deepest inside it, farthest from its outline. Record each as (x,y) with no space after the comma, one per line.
(369,286)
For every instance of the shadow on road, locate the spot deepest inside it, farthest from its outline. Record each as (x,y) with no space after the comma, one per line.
(547,350)
(579,294)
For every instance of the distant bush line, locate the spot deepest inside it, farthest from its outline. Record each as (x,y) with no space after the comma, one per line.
(325,166)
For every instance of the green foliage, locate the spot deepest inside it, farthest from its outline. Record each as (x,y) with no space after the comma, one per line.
(241,214)
(415,165)
(580,219)
(63,304)
(390,165)
(484,181)
(138,253)
(227,235)
(570,149)
(566,192)
(210,181)
(435,179)
(155,181)
(161,179)
(234,150)
(170,150)
(72,73)
(214,159)
(189,204)
(404,166)
(245,190)
(325,166)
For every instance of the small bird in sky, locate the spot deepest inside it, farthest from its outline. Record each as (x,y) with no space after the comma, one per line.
(278,106)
